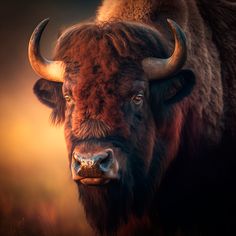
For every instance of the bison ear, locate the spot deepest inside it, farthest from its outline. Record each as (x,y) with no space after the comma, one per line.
(178,87)
(50,94)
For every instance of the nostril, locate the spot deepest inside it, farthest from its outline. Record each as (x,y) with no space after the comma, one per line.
(76,166)
(76,162)
(106,162)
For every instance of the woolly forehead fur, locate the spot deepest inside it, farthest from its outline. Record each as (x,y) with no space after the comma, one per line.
(103,61)
(112,39)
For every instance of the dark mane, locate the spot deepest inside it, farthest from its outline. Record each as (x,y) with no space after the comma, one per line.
(226,45)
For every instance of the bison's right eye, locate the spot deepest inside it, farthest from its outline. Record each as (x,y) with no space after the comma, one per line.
(68,98)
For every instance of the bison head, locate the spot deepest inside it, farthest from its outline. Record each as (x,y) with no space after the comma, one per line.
(118,93)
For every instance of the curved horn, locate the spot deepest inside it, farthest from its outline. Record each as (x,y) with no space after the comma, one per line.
(156,68)
(50,70)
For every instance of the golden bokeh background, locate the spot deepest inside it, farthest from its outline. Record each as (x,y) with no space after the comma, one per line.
(37,195)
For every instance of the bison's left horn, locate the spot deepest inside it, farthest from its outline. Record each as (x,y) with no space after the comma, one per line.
(156,68)
(50,70)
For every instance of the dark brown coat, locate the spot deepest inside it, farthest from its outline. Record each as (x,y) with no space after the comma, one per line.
(174,179)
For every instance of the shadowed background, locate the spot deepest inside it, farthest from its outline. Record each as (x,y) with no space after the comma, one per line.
(37,195)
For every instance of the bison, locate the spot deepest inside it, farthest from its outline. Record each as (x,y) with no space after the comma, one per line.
(147,95)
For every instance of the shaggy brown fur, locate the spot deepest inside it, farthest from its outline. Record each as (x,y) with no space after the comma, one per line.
(102,77)
(203,56)
(213,24)
(166,140)
(220,17)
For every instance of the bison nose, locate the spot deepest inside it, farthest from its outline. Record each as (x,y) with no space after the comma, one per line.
(100,161)
(95,165)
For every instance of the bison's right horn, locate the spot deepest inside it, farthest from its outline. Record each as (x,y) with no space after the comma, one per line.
(156,68)
(50,70)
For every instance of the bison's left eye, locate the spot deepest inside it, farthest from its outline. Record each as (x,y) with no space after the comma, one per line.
(138,99)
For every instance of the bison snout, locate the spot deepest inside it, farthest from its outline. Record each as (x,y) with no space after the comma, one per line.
(94,168)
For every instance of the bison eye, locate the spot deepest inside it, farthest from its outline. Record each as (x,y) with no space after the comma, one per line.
(68,98)
(138,99)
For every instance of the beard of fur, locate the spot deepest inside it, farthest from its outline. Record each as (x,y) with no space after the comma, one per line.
(108,207)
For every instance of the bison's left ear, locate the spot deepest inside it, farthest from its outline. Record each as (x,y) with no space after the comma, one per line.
(178,87)
(171,90)
(50,94)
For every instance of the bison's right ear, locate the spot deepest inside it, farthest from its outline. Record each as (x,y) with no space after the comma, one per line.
(50,94)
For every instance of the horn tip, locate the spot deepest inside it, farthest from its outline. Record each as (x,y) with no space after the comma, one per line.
(172,23)
(176,28)
(44,22)
(46,19)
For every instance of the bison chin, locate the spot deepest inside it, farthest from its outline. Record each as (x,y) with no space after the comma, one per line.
(109,206)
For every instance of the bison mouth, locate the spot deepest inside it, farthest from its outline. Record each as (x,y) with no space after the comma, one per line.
(94,181)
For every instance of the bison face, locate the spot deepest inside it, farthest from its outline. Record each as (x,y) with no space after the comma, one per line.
(117,136)
(122,125)
(106,122)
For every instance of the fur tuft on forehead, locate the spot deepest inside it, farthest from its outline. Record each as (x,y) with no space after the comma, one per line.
(101,44)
